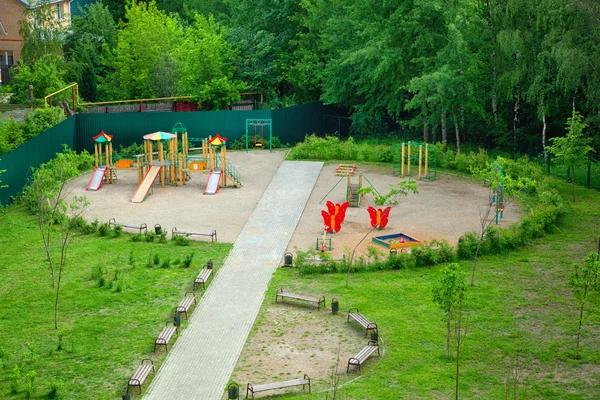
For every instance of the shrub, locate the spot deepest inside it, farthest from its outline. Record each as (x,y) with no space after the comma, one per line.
(187,261)
(103,229)
(150,236)
(166,263)
(30,383)
(156,259)
(11,135)
(40,120)
(138,237)
(118,229)
(56,390)
(182,240)
(467,244)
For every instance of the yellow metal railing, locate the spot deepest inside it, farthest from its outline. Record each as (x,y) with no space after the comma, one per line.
(75,98)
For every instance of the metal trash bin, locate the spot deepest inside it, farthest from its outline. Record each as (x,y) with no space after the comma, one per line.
(126,396)
(177,318)
(375,336)
(209,264)
(288,259)
(157,229)
(233,391)
(335,306)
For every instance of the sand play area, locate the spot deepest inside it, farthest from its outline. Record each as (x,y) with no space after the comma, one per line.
(445,208)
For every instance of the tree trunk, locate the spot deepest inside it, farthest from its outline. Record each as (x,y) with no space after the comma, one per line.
(490,22)
(516,123)
(579,330)
(544,126)
(448,334)
(457,132)
(444,129)
(425,129)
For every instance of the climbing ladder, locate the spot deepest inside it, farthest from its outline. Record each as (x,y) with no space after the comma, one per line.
(353,197)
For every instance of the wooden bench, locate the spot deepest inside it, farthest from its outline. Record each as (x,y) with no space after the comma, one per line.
(278,385)
(165,336)
(362,355)
(140,375)
(283,295)
(185,304)
(213,234)
(141,227)
(202,277)
(358,317)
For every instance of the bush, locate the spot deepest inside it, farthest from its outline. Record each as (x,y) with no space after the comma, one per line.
(103,229)
(138,237)
(118,229)
(150,236)
(11,135)
(40,120)
(182,240)
(187,261)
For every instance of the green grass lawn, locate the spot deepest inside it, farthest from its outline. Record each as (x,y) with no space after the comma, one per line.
(104,331)
(521,304)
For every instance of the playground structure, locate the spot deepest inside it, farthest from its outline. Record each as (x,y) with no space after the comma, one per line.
(105,169)
(353,194)
(259,136)
(166,158)
(420,155)
(497,194)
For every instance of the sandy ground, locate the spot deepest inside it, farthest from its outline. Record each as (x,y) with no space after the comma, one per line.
(443,209)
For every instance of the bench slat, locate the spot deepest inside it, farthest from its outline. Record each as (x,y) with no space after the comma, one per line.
(279,385)
(363,355)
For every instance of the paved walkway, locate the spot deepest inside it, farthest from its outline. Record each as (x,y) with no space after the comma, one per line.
(203,358)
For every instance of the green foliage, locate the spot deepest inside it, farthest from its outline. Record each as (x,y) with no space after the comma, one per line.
(187,261)
(138,237)
(402,188)
(41,31)
(11,134)
(572,150)
(130,151)
(46,76)
(49,177)
(332,148)
(181,240)
(150,236)
(584,281)
(103,229)
(118,230)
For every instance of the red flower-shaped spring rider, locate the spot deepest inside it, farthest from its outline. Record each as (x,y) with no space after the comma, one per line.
(379,217)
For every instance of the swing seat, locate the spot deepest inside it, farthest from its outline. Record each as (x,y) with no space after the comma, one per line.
(258,144)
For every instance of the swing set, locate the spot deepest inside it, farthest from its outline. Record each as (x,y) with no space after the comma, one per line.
(258,128)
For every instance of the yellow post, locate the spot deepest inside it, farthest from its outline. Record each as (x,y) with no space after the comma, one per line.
(109,162)
(420,156)
(96,154)
(360,176)
(402,167)
(161,161)
(138,162)
(426,161)
(408,161)
(223,167)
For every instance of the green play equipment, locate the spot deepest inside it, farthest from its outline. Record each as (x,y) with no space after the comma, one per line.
(498,192)
(422,157)
(257,127)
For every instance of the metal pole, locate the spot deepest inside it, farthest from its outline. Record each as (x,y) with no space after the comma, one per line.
(246,136)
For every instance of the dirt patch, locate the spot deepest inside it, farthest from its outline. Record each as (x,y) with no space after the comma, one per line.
(291,340)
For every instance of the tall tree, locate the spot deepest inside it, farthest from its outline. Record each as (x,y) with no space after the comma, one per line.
(41,30)
(92,37)
(448,293)
(144,47)
(205,70)
(573,149)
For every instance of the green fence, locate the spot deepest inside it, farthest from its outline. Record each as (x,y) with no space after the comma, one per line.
(33,153)
(289,124)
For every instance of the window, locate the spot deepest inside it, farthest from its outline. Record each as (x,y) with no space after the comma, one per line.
(59,12)
(6,57)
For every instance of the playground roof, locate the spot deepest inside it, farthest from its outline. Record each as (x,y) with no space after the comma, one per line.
(159,136)
(217,140)
(102,137)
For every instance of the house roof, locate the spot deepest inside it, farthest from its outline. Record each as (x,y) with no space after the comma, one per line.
(80,5)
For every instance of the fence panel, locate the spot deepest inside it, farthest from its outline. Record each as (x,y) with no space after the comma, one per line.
(292,124)
(129,128)
(33,153)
